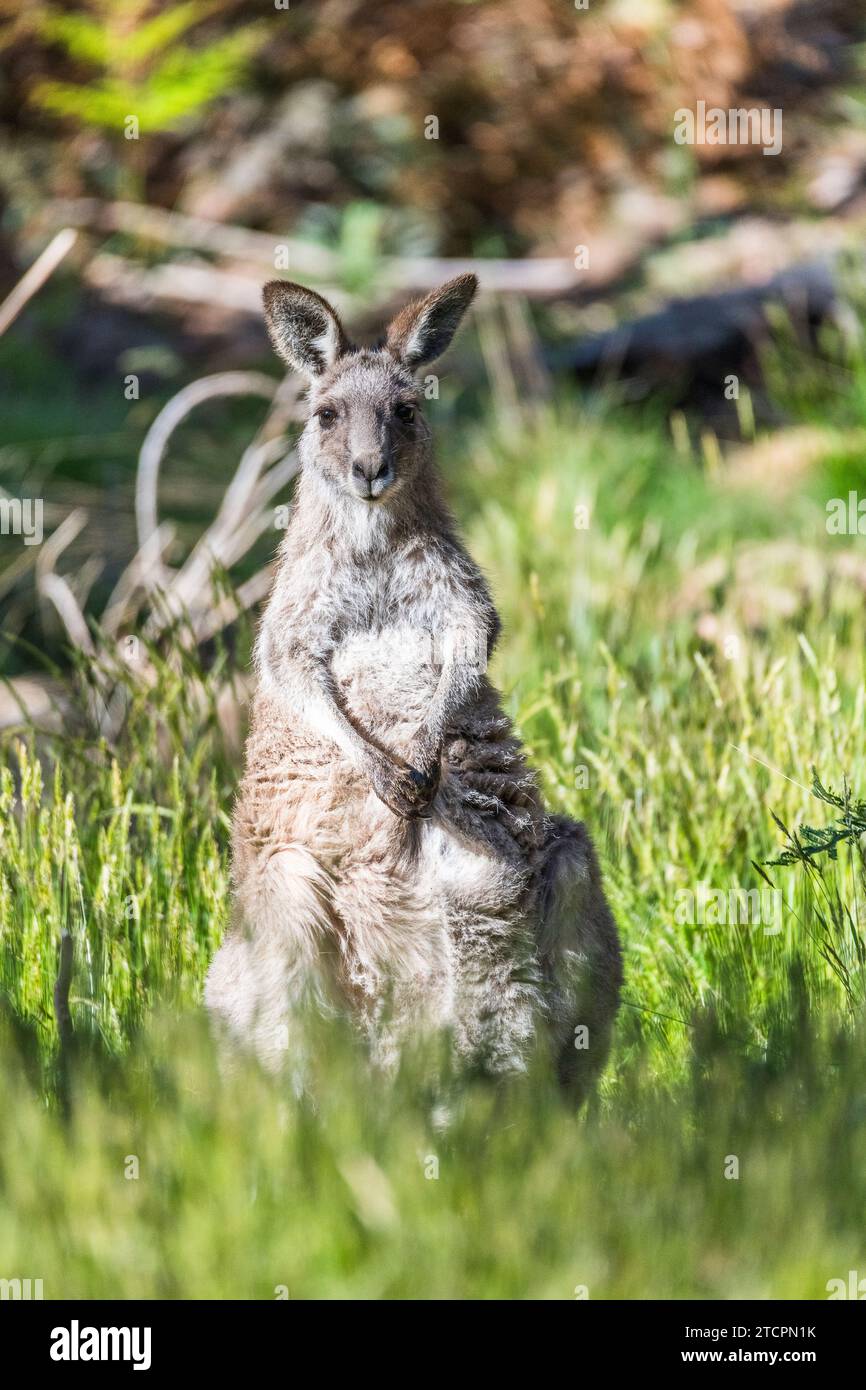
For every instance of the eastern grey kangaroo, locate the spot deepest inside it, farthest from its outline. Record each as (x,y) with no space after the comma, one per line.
(392,857)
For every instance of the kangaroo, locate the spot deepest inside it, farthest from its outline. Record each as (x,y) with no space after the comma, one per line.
(392,856)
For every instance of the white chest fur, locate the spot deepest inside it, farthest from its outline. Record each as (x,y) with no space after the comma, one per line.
(386,677)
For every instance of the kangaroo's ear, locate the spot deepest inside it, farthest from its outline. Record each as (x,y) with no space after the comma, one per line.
(422,331)
(304,329)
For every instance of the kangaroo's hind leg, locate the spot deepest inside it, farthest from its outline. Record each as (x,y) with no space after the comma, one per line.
(394,950)
(579,954)
(272,962)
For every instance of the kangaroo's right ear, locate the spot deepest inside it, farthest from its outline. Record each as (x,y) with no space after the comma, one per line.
(304,329)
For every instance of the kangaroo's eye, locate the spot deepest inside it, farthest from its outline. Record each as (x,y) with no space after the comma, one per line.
(326,415)
(405,413)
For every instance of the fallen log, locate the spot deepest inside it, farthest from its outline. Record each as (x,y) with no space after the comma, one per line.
(544,276)
(705,332)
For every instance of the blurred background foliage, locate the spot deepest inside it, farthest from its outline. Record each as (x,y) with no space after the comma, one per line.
(553,123)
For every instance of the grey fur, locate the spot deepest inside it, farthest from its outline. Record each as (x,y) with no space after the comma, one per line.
(392,857)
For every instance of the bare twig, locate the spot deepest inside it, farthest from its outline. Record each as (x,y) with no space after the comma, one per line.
(167,421)
(137,579)
(33,279)
(49,553)
(246,596)
(53,587)
(177,229)
(124,281)
(242,516)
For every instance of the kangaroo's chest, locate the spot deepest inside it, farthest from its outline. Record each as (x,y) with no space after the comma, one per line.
(386,675)
(387,661)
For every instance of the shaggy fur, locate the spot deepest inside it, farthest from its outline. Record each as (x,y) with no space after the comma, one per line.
(392,857)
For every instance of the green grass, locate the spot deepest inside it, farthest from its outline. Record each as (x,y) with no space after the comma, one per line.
(733,1042)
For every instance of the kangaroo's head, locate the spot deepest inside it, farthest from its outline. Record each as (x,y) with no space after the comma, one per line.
(365,436)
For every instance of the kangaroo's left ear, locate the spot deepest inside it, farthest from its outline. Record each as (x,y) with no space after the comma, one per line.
(422,331)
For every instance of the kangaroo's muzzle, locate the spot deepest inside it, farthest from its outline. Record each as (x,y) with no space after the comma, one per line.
(370,475)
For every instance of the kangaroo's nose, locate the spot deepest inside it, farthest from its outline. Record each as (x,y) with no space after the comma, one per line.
(371,474)
(368,467)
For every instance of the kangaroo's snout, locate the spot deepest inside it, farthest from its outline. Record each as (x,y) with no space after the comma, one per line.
(370,475)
